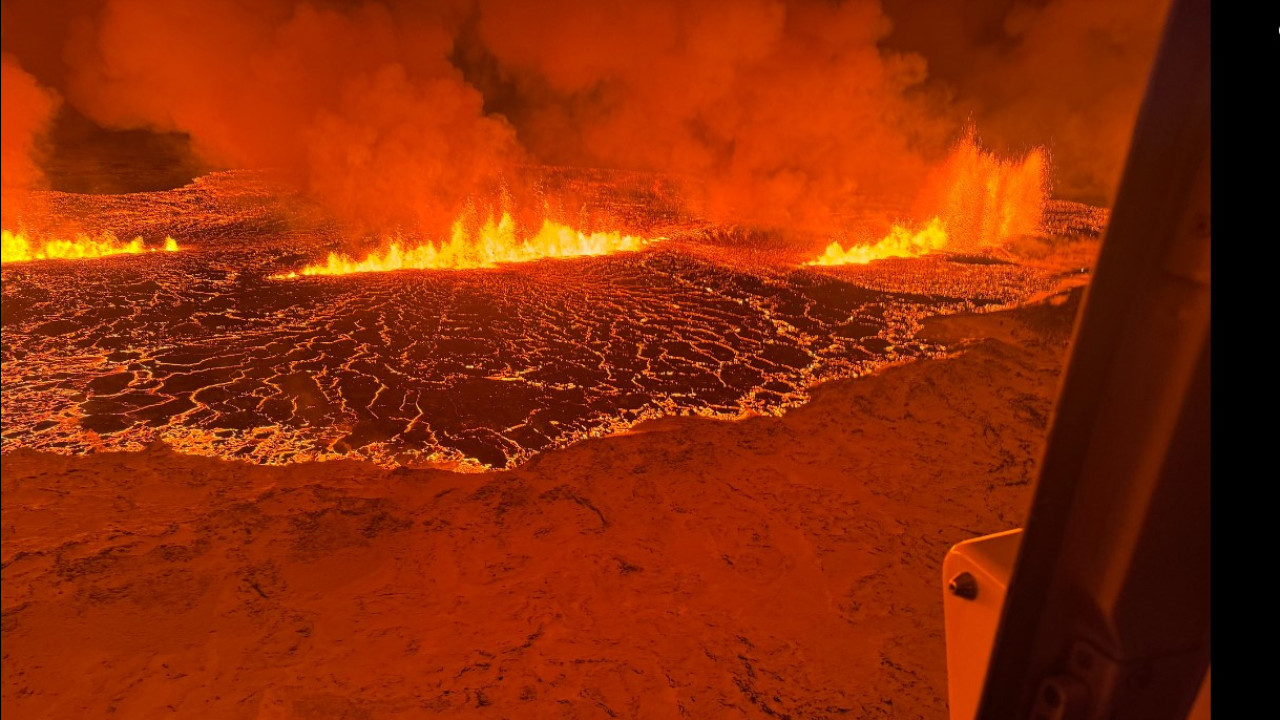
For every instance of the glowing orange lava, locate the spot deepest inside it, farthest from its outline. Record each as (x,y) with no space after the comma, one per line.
(18,247)
(493,244)
(974,199)
(985,199)
(900,242)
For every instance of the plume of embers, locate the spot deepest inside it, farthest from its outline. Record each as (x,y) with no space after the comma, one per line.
(973,200)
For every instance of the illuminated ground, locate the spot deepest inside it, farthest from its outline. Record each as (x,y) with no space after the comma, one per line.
(478,368)
(774,567)
(768,568)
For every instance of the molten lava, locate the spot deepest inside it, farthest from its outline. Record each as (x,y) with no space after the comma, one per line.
(974,200)
(985,199)
(473,369)
(900,242)
(492,244)
(18,247)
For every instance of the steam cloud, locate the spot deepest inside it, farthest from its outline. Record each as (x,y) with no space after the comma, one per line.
(786,113)
(28,109)
(1067,74)
(357,103)
(1076,73)
(789,110)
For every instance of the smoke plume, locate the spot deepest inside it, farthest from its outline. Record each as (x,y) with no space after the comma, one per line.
(28,110)
(1066,74)
(357,103)
(789,110)
(786,114)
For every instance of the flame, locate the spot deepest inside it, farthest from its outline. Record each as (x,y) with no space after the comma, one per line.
(900,242)
(18,247)
(494,243)
(974,199)
(987,199)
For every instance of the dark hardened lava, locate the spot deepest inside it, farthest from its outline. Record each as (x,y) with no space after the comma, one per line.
(484,368)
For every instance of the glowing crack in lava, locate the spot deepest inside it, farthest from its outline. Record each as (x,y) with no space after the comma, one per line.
(493,244)
(900,242)
(18,247)
(470,370)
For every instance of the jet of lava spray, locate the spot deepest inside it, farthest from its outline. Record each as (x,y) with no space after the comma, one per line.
(985,199)
(974,200)
(494,243)
(19,247)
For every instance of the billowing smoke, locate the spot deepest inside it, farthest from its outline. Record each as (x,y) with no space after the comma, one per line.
(28,110)
(781,113)
(1067,74)
(356,102)
(789,110)
(1076,74)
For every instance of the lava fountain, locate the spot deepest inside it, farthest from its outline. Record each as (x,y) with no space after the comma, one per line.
(974,199)
(496,242)
(20,247)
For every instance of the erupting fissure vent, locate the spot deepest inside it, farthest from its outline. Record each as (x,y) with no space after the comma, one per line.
(900,242)
(975,199)
(492,244)
(19,247)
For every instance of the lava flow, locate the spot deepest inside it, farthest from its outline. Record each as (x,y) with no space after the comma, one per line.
(493,244)
(470,369)
(19,247)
